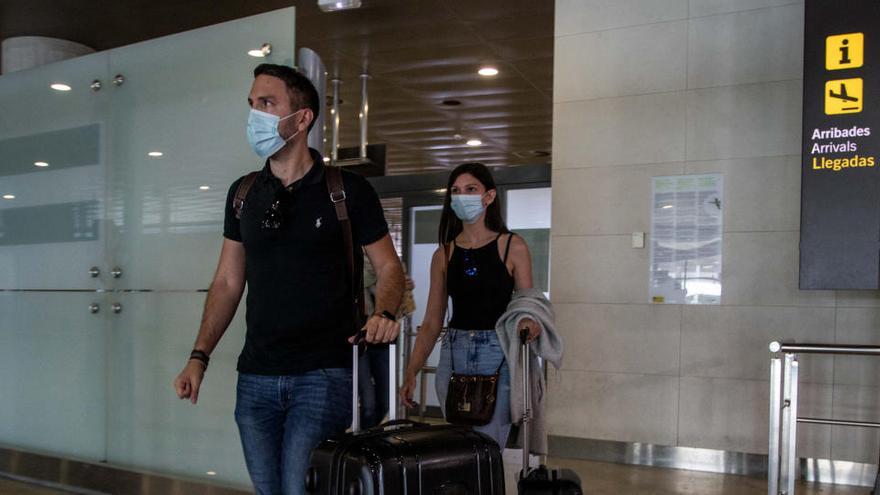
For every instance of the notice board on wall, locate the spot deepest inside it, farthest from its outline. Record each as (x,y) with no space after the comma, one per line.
(840,178)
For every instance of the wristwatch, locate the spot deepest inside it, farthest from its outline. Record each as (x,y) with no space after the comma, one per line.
(386,314)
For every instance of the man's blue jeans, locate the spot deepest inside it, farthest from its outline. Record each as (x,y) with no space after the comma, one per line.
(282,418)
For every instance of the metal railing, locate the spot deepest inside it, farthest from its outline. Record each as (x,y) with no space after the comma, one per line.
(782,458)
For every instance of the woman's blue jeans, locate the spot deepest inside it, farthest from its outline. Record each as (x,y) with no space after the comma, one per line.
(477,353)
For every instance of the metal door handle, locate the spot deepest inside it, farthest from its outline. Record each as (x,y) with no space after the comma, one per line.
(94,308)
(117,308)
(94,272)
(116,272)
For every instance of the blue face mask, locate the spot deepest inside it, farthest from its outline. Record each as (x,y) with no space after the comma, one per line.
(468,207)
(262,132)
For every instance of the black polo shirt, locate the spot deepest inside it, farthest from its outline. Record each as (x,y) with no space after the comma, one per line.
(299,296)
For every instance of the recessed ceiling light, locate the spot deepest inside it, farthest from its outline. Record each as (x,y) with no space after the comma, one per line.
(204,188)
(326,159)
(474,142)
(60,87)
(263,51)
(41,164)
(488,71)
(155,154)
(666,207)
(211,473)
(334,5)
(8,196)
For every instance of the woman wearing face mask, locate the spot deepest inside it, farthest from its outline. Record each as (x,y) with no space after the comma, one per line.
(478,264)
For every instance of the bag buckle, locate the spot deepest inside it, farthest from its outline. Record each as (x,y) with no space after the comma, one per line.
(337,196)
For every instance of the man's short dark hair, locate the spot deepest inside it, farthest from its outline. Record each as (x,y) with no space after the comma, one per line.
(302,92)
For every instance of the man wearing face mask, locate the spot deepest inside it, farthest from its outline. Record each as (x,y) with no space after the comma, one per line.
(285,243)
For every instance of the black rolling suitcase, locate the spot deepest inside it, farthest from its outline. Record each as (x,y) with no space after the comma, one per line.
(541,480)
(405,458)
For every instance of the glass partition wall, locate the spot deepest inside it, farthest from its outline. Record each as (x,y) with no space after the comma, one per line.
(113,190)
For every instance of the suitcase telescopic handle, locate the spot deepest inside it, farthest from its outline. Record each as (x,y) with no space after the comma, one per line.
(359,341)
(527,412)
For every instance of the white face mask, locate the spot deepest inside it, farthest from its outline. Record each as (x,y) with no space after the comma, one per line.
(262,132)
(468,207)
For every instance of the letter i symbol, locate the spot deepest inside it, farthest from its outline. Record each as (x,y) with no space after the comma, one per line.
(844,52)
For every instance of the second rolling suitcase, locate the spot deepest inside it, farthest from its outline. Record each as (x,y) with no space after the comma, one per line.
(541,480)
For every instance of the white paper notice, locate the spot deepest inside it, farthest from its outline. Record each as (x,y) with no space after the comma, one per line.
(686,237)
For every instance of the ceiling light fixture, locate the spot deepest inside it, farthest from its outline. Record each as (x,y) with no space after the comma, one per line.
(474,142)
(204,188)
(60,87)
(8,196)
(41,164)
(334,5)
(211,473)
(488,71)
(155,154)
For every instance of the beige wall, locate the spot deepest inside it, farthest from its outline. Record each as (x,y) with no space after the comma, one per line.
(644,88)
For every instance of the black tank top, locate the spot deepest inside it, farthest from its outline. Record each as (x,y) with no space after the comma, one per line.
(480,286)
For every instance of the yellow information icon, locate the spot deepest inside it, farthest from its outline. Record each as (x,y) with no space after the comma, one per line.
(843,96)
(845,51)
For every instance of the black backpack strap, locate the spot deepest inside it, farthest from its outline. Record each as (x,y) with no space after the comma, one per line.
(241,193)
(337,196)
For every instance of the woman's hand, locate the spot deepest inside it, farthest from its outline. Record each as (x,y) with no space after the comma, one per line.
(407,390)
(532,326)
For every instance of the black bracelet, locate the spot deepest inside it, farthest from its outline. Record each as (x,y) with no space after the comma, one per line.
(200,356)
(387,315)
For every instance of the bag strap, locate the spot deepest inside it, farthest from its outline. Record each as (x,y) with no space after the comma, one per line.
(337,196)
(507,249)
(241,193)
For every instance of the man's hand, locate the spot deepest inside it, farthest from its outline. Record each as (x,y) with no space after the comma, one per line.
(189,380)
(379,330)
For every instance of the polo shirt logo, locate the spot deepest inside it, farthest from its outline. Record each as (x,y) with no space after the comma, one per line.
(318,222)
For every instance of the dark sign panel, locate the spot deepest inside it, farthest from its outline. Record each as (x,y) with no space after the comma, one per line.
(840,186)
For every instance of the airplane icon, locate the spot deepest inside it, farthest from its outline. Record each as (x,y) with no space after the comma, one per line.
(842,95)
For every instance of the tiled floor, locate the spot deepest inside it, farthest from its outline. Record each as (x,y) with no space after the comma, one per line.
(609,479)
(600,478)
(8,487)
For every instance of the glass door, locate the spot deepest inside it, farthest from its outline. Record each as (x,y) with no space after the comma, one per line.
(178,142)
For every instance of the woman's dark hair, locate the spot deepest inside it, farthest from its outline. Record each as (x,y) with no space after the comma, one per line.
(301,90)
(450,225)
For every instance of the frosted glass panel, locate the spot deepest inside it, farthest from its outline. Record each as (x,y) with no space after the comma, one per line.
(425,221)
(529,215)
(53,373)
(51,232)
(149,343)
(186,97)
